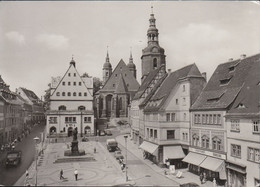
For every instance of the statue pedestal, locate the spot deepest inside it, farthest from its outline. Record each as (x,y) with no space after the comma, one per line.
(75,147)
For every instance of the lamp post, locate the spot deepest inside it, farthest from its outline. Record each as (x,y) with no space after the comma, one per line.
(126,177)
(36,139)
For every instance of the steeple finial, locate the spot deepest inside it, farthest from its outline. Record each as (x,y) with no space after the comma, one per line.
(107,58)
(72,61)
(152,8)
(131,58)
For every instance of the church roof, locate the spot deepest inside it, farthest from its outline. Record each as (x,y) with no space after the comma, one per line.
(121,86)
(158,99)
(121,70)
(232,83)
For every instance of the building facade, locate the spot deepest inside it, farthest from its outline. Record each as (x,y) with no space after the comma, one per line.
(71,104)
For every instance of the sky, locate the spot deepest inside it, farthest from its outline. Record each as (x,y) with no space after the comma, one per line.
(38,39)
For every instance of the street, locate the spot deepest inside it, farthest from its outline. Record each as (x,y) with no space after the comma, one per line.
(8,176)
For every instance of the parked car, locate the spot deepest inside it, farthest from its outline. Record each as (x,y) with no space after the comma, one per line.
(118,155)
(13,158)
(84,139)
(108,132)
(112,145)
(102,133)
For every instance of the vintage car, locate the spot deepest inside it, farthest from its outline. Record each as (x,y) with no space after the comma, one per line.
(118,155)
(13,158)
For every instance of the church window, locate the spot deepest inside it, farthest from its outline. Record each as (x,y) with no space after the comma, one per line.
(74,94)
(74,74)
(81,108)
(69,83)
(69,74)
(85,93)
(58,93)
(63,83)
(74,83)
(79,93)
(69,94)
(62,107)
(79,83)
(63,93)
(154,63)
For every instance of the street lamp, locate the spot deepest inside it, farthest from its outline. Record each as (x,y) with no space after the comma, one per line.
(36,139)
(126,177)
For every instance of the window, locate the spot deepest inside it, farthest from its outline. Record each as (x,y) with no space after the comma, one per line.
(256,126)
(79,93)
(79,83)
(210,119)
(69,94)
(155,133)
(63,83)
(235,125)
(254,154)
(81,108)
(216,144)
(69,83)
(172,116)
(183,88)
(155,63)
(170,134)
(185,136)
(87,119)
(184,117)
(151,133)
(106,74)
(225,81)
(147,131)
(218,119)
(69,74)
(70,119)
(58,94)
(205,141)
(168,116)
(74,94)
(177,101)
(62,107)
(114,85)
(53,120)
(207,118)
(203,118)
(235,150)
(214,119)
(63,94)
(74,74)
(197,118)
(116,75)
(195,140)
(85,94)
(184,101)
(74,83)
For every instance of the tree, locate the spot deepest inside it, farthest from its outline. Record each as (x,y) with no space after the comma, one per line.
(47,95)
(97,83)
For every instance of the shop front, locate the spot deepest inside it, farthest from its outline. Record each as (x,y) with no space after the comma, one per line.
(236,174)
(194,160)
(150,151)
(174,155)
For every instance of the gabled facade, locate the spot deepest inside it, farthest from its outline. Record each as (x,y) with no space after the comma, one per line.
(119,88)
(71,104)
(208,123)
(167,119)
(243,129)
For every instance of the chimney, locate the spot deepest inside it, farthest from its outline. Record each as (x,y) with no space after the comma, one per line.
(204,75)
(169,70)
(243,56)
(231,59)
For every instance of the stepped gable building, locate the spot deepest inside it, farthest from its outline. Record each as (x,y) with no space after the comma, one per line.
(71,104)
(166,114)
(119,88)
(209,142)
(243,126)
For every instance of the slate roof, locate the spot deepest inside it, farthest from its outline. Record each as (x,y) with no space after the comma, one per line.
(127,76)
(146,82)
(31,95)
(158,100)
(121,86)
(227,83)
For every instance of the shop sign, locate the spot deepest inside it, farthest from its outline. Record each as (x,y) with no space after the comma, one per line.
(208,153)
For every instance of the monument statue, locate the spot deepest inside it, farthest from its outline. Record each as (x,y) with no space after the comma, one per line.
(75,133)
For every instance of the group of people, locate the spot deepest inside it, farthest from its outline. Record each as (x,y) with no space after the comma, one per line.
(203,177)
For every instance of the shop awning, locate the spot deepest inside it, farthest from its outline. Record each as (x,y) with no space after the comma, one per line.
(149,147)
(216,165)
(172,152)
(194,158)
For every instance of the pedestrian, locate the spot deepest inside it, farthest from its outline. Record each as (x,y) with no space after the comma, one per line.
(95,150)
(27,174)
(201,177)
(13,147)
(61,174)
(204,177)
(214,182)
(76,174)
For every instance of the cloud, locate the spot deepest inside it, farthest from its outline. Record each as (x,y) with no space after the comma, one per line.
(16,37)
(53,41)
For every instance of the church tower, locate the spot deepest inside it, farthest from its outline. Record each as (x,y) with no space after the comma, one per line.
(153,55)
(107,69)
(131,65)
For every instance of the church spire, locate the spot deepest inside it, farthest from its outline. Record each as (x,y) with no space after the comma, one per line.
(107,58)
(152,32)
(131,58)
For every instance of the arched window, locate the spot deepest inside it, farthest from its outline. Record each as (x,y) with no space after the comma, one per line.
(85,94)
(62,107)
(195,140)
(58,94)
(205,141)
(81,108)
(69,94)
(216,143)
(155,63)
(74,94)
(52,130)
(120,103)
(79,93)
(63,94)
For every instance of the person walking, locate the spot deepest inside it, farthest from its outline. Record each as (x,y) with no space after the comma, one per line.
(201,177)
(61,174)
(76,174)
